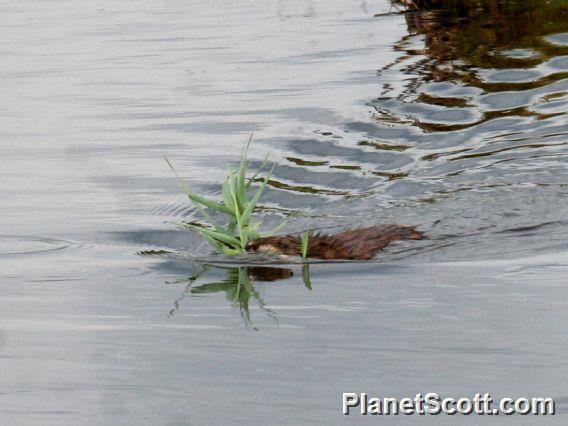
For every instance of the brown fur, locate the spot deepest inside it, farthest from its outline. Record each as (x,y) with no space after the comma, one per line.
(355,244)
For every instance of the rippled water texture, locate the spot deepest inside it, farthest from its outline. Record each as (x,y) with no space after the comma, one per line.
(451,119)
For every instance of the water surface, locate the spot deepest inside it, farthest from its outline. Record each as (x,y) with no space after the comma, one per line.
(455,122)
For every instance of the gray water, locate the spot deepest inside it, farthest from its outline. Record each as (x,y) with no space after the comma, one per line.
(369,119)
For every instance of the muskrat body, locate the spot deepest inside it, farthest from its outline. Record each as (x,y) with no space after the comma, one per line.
(355,244)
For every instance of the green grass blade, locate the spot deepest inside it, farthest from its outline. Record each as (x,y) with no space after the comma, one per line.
(214,243)
(196,226)
(252,204)
(239,193)
(241,225)
(218,236)
(231,226)
(220,247)
(241,183)
(208,203)
(230,252)
(250,234)
(197,198)
(227,197)
(251,180)
(306,243)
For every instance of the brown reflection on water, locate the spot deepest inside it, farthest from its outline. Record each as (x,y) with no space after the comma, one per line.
(481,33)
(487,116)
(306,189)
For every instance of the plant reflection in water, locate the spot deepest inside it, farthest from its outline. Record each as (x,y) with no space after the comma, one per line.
(238,286)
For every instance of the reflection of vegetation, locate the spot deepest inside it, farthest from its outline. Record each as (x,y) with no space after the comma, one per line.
(239,290)
(384,146)
(306,276)
(462,37)
(306,163)
(306,189)
(153,253)
(238,287)
(479,31)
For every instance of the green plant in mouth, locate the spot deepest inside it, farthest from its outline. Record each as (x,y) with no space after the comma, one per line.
(232,237)
(306,242)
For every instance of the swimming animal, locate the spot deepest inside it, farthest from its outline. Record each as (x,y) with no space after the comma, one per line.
(355,244)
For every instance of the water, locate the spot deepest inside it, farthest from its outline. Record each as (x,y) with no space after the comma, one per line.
(455,123)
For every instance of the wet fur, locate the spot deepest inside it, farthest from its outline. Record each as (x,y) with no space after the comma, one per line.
(355,244)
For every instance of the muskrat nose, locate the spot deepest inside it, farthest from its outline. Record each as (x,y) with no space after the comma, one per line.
(251,246)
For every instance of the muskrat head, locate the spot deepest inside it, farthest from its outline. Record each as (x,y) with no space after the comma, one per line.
(275,245)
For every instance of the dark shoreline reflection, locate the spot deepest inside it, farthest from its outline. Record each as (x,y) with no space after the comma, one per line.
(486,34)
(238,286)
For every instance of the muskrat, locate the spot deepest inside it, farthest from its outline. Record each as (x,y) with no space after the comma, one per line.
(355,244)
